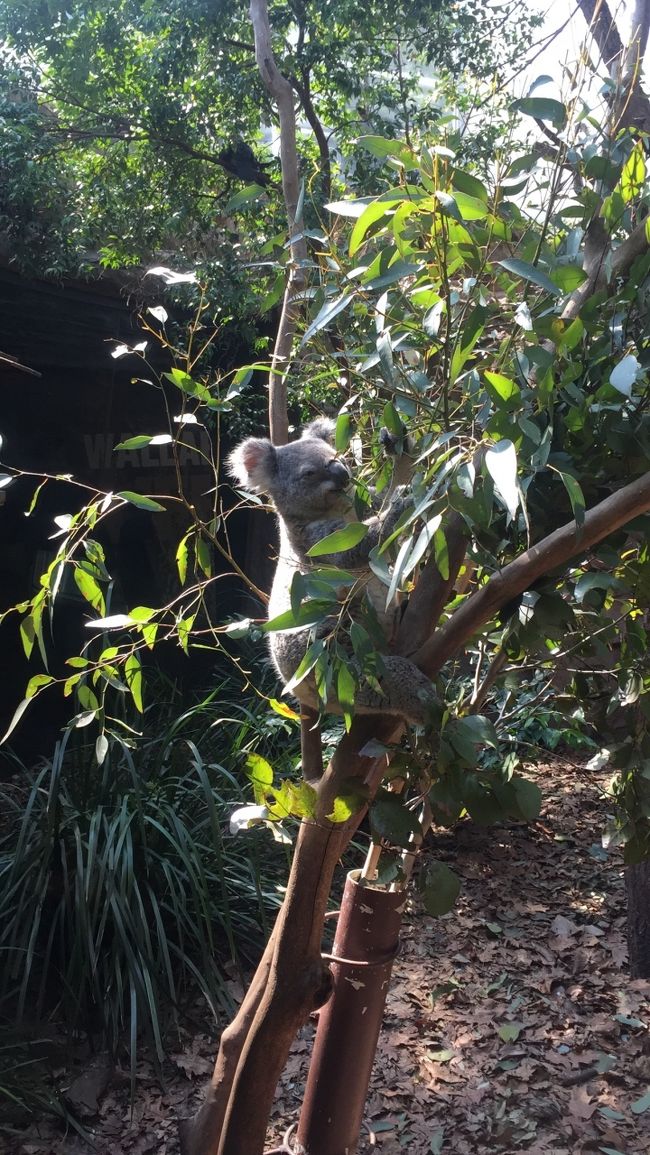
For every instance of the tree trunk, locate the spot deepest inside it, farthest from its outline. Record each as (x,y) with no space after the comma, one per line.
(637,884)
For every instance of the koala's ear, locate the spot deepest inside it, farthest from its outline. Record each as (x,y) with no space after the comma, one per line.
(322,427)
(253,464)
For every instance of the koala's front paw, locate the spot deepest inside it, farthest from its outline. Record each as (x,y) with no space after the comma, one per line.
(390,441)
(401,497)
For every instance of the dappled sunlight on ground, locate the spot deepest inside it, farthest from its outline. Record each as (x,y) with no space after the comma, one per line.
(511,1024)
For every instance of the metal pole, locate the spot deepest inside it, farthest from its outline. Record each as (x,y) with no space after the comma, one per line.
(366,943)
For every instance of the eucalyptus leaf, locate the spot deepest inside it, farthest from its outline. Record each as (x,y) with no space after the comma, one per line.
(327,313)
(530,273)
(624,375)
(140,501)
(543,108)
(501,464)
(339,541)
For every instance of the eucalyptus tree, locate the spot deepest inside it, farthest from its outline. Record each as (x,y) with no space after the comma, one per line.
(130,127)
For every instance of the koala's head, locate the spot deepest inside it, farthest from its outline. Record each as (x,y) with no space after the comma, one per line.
(304,479)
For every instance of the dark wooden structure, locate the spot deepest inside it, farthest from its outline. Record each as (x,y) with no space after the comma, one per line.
(64,415)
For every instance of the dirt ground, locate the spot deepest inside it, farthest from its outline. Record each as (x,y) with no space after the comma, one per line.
(511,1025)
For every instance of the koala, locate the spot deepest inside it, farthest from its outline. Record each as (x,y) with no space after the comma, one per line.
(308,484)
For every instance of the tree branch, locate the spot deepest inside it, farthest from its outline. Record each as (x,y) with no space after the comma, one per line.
(303,89)
(296,982)
(432,591)
(281,91)
(622,259)
(603,28)
(623,62)
(561,545)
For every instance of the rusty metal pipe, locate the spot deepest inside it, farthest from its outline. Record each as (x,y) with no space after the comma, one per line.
(367,938)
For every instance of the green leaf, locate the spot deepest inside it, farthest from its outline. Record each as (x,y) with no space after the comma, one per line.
(36,683)
(525,163)
(339,541)
(471,208)
(347,208)
(542,108)
(187,384)
(183,630)
(327,313)
(181,559)
(87,699)
(18,713)
(641,1105)
(345,805)
(504,392)
(568,277)
(307,664)
(448,204)
(441,553)
(439,888)
(141,614)
(381,147)
(28,635)
(284,710)
(133,674)
(529,798)
(259,770)
(510,1032)
(633,174)
(399,569)
(83,719)
(346,687)
(203,553)
(245,196)
(149,632)
(472,330)
(343,432)
(478,729)
(572,335)
(429,532)
(390,820)
(392,420)
(370,216)
(437,1142)
(140,501)
(501,464)
(101,749)
(529,273)
(396,271)
(89,589)
(576,496)
(470,185)
(307,615)
(137,442)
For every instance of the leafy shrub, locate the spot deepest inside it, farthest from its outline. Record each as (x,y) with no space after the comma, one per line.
(120,894)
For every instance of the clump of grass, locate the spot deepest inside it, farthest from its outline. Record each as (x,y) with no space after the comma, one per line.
(122,894)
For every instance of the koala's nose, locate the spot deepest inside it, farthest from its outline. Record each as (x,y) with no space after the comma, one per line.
(339,473)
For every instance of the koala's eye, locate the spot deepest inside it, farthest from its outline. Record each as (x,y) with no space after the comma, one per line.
(308,472)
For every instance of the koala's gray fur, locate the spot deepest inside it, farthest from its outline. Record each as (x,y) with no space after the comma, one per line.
(308,482)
